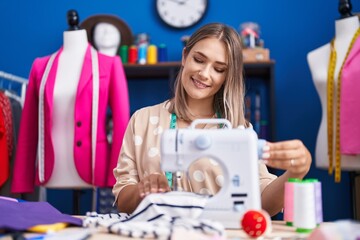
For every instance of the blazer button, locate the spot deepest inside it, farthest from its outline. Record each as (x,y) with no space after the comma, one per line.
(78,123)
(78,143)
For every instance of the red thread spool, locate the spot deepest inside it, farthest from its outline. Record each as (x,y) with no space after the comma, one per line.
(133,54)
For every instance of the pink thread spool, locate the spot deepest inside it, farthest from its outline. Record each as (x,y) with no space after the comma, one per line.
(289,200)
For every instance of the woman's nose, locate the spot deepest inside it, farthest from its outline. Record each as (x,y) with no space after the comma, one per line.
(204,73)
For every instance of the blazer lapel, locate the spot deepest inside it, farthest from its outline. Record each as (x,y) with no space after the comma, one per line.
(50,83)
(86,72)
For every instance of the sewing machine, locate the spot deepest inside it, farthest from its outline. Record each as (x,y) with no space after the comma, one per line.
(236,150)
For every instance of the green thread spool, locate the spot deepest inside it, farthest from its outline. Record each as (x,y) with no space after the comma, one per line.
(124,49)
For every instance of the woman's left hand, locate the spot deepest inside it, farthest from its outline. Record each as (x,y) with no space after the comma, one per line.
(290,155)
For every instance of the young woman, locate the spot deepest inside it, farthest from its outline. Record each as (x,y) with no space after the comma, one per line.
(209,84)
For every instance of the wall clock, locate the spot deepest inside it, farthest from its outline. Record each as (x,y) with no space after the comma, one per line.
(181,13)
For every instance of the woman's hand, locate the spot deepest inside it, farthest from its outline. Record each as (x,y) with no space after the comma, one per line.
(291,155)
(153,183)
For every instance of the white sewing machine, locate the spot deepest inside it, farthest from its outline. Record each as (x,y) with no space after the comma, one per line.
(236,150)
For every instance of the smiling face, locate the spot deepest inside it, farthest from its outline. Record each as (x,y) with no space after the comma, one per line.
(205,68)
(210,79)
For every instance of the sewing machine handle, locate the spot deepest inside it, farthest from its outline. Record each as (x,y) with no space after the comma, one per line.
(211,121)
(260,144)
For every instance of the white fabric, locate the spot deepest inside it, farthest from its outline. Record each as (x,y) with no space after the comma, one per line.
(159,216)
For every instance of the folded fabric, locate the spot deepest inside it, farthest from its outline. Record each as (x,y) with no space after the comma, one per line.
(159,215)
(24,215)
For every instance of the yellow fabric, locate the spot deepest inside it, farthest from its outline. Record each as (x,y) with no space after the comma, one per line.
(48,227)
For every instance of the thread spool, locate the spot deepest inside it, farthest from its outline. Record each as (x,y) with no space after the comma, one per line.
(289,200)
(318,200)
(162,53)
(142,54)
(132,54)
(152,54)
(124,49)
(304,207)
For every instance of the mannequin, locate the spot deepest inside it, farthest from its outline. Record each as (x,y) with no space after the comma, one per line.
(345,8)
(67,79)
(106,38)
(73,20)
(345,28)
(106,31)
(62,139)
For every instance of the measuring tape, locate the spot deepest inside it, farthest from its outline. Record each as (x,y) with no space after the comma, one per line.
(330,101)
(330,114)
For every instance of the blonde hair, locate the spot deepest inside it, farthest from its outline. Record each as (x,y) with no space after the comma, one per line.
(229,100)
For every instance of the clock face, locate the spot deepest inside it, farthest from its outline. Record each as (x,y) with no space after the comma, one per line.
(181,13)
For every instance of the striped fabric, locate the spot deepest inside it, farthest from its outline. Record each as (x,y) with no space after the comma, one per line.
(159,216)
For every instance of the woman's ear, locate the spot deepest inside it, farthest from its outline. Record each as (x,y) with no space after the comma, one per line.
(184,55)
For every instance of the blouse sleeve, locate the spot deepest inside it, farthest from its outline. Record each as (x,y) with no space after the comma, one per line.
(264,176)
(125,171)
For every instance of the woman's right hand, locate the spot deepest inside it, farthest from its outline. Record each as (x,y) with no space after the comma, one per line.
(153,183)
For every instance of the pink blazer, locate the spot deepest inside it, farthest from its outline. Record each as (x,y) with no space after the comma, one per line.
(113,93)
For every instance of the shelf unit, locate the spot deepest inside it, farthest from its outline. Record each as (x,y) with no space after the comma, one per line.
(263,71)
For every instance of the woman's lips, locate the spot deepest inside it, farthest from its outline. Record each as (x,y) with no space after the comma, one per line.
(199,84)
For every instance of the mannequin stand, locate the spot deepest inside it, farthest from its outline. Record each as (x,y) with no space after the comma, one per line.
(355,192)
(76,201)
(90,195)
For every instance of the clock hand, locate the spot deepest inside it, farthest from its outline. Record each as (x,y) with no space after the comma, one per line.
(180,2)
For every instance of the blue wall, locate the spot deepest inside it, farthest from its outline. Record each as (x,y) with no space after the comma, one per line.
(291,29)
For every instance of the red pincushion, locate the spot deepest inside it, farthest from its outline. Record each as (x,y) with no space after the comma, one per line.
(256,222)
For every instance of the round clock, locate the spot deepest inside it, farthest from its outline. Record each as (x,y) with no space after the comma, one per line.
(181,13)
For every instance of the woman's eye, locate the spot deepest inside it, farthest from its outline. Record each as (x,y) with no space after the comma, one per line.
(219,70)
(198,60)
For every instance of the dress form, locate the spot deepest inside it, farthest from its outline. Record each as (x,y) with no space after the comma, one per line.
(318,61)
(106,38)
(67,78)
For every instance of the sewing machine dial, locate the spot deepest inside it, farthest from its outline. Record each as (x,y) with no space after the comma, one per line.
(203,142)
